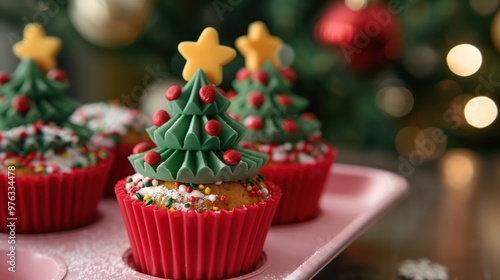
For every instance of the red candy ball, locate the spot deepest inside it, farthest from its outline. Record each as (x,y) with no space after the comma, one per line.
(230,94)
(21,104)
(173,92)
(152,158)
(253,123)
(213,127)
(231,157)
(4,78)
(308,116)
(160,117)
(141,147)
(284,100)
(261,77)
(242,74)
(290,126)
(207,94)
(57,75)
(288,74)
(233,116)
(255,98)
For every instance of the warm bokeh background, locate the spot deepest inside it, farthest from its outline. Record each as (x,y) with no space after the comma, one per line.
(405,81)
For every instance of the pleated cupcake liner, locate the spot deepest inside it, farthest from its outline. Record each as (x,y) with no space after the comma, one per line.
(193,245)
(54,202)
(302,186)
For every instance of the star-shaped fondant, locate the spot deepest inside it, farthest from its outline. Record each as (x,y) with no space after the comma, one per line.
(206,54)
(35,45)
(258,46)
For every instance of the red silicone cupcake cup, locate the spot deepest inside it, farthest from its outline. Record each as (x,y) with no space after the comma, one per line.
(302,186)
(192,245)
(122,167)
(54,202)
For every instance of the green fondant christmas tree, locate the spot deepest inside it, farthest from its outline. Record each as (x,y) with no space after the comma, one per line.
(265,103)
(199,144)
(31,95)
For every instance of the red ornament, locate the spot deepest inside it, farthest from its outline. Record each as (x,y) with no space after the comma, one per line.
(160,117)
(308,116)
(231,157)
(288,74)
(368,39)
(21,104)
(152,158)
(230,94)
(242,74)
(253,123)
(261,77)
(141,147)
(284,100)
(290,126)
(57,75)
(207,94)
(255,98)
(173,92)
(4,78)
(213,127)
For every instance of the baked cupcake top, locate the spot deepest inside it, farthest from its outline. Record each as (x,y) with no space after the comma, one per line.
(265,102)
(35,133)
(198,163)
(113,123)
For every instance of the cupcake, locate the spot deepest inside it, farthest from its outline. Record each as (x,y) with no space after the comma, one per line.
(197,207)
(117,128)
(299,159)
(52,179)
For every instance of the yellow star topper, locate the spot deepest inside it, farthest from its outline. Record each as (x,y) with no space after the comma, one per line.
(42,49)
(259,46)
(206,54)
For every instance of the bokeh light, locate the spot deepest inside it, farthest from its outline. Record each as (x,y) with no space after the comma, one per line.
(484,7)
(421,61)
(464,60)
(405,140)
(395,101)
(431,142)
(495,31)
(458,167)
(356,5)
(480,111)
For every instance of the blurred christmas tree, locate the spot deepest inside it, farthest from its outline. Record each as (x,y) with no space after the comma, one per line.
(377,73)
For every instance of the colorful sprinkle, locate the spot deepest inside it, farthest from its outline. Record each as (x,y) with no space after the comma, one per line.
(222,198)
(215,208)
(139,196)
(169,202)
(207,190)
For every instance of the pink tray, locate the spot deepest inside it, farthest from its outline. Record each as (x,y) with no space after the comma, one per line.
(354,198)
